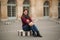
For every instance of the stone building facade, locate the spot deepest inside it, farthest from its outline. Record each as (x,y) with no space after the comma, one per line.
(13,9)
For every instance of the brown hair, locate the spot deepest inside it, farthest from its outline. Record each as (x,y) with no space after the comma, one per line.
(27,16)
(24,10)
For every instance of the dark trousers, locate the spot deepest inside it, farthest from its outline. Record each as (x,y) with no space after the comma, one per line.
(28,28)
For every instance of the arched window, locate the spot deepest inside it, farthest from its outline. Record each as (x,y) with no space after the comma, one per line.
(11,8)
(11,2)
(46,8)
(26,4)
(59,10)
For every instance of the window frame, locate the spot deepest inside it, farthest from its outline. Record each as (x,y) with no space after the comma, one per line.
(11,10)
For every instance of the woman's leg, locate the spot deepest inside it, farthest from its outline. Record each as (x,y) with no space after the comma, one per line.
(34,29)
(26,28)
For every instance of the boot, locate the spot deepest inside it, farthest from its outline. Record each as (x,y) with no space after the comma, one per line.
(38,34)
(34,34)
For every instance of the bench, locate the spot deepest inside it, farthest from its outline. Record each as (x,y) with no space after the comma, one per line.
(24,33)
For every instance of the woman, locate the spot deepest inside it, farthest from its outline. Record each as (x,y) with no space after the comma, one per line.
(28,25)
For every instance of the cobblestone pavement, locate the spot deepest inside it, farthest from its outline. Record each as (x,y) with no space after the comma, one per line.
(49,29)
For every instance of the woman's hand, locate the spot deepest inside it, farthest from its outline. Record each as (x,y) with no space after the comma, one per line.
(28,20)
(31,24)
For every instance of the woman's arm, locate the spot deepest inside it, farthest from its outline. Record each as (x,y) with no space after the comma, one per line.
(24,19)
(30,19)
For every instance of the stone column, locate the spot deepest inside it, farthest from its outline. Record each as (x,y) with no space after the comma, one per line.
(39,8)
(32,8)
(3,10)
(54,9)
(19,8)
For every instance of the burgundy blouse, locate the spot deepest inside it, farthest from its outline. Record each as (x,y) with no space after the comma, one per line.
(24,22)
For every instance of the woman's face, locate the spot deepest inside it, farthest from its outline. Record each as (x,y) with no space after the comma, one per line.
(25,12)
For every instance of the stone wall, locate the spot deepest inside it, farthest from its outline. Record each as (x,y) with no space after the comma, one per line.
(36,9)
(3,9)
(54,9)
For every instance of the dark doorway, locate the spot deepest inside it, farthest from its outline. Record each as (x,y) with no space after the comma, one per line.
(0,10)
(59,10)
(46,8)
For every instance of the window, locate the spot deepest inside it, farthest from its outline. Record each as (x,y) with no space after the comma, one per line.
(26,5)
(11,8)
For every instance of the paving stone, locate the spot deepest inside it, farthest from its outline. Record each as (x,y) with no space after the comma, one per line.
(49,29)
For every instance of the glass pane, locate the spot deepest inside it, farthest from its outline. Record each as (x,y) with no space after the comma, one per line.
(47,11)
(13,11)
(9,11)
(44,11)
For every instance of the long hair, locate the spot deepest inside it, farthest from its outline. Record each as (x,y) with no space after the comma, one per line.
(26,16)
